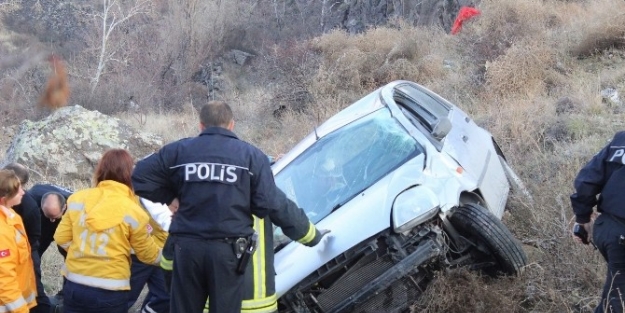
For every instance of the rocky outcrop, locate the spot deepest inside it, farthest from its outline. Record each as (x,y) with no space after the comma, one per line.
(356,15)
(68,144)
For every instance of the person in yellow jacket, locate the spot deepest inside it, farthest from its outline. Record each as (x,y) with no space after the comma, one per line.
(99,229)
(18,289)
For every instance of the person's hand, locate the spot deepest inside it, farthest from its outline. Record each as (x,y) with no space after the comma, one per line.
(173,206)
(584,231)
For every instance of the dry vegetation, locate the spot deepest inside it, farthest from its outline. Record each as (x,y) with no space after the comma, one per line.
(531,72)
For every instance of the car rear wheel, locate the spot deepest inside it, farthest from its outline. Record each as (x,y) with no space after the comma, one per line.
(489,239)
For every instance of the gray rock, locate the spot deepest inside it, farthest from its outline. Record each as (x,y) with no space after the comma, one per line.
(68,143)
(240,57)
(611,96)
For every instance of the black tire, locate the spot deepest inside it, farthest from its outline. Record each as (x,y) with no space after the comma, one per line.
(477,223)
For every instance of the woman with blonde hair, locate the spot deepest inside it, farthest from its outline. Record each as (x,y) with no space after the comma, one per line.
(100,228)
(17,274)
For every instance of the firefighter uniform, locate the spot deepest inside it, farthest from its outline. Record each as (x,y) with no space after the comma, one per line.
(100,227)
(220,182)
(604,175)
(18,289)
(259,292)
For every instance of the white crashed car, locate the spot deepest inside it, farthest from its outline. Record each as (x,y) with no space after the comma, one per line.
(407,183)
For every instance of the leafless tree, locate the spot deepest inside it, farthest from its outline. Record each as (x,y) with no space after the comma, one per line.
(112,15)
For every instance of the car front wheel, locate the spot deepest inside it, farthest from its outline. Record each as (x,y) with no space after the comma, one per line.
(487,239)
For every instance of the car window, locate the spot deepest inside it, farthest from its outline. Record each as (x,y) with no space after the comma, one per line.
(346,162)
(424,107)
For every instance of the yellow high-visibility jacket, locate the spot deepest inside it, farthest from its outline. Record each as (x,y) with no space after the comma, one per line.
(99,229)
(17,274)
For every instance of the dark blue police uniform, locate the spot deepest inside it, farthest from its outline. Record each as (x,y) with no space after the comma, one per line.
(220,182)
(604,176)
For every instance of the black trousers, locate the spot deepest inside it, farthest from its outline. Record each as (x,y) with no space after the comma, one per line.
(606,233)
(205,270)
(43,302)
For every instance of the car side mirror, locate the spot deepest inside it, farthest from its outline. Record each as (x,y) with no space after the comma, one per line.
(441,128)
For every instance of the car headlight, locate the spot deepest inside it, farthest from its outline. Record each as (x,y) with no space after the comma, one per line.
(413,207)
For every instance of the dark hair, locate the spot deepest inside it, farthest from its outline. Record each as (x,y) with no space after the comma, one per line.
(9,183)
(20,170)
(53,193)
(115,164)
(216,113)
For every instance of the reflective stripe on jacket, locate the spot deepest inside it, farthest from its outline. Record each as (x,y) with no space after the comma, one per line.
(99,229)
(17,275)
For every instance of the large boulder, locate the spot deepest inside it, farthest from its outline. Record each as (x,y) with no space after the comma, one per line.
(68,144)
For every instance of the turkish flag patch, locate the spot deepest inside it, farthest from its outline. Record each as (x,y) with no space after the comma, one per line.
(5,253)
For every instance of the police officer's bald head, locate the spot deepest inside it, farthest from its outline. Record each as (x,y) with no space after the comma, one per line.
(216,114)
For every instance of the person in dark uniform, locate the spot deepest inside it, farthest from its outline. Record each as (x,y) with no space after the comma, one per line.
(220,182)
(604,176)
(52,199)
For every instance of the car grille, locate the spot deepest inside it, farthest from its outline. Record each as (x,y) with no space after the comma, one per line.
(395,298)
(353,281)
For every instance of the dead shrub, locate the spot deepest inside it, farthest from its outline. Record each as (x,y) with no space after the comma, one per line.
(521,69)
(503,23)
(593,26)
(367,61)
(463,291)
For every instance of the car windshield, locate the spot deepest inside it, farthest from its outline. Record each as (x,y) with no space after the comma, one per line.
(345,162)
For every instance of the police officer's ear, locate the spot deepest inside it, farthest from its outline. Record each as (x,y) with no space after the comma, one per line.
(202,126)
(231,125)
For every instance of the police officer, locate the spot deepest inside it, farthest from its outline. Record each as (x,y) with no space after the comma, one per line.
(220,182)
(604,175)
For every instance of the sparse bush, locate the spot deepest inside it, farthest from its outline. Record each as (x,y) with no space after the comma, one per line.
(594,26)
(521,69)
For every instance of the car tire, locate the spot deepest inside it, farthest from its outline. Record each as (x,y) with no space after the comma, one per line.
(477,223)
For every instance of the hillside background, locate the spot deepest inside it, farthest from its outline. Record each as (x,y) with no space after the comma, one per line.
(543,76)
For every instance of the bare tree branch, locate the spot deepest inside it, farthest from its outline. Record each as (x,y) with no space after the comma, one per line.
(109,21)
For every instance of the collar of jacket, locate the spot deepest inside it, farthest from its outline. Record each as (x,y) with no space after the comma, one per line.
(115,186)
(218,131)
(9,215)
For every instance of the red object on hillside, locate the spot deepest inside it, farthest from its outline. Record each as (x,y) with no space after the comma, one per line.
(464,14)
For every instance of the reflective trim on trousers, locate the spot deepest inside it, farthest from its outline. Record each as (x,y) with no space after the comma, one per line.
(98,282)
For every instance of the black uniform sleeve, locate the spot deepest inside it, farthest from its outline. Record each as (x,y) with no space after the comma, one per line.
(293,221)
(263,187)
(151,179)
(29,211)
(588,184)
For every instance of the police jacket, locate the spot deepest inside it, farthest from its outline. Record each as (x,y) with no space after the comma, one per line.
(99,229)
(604,175)
(219,180)
(17,275)
(47,227)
